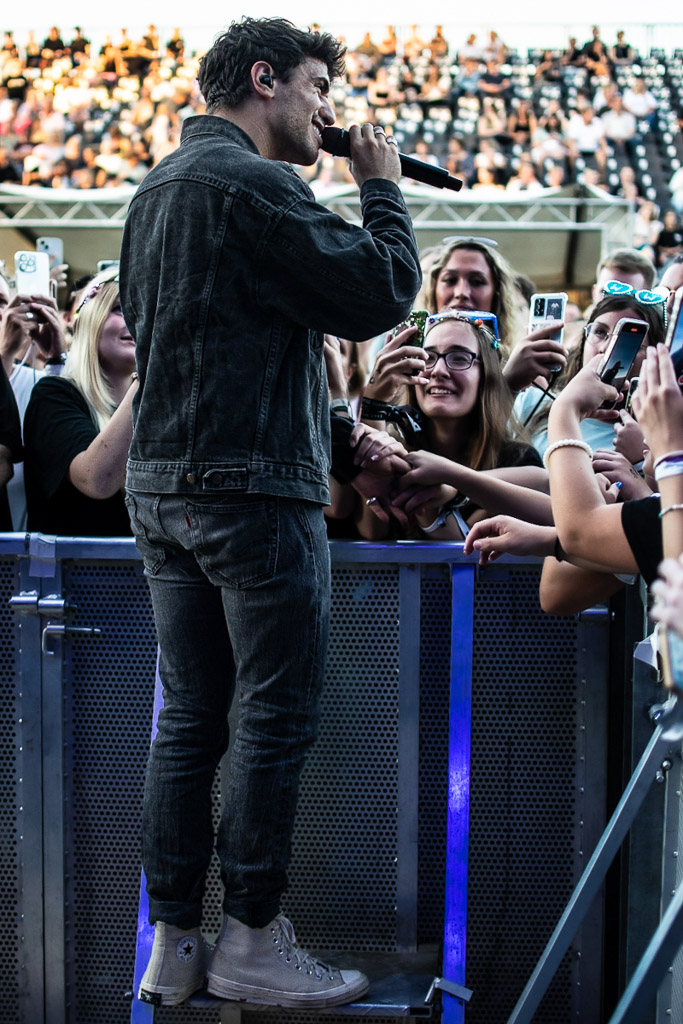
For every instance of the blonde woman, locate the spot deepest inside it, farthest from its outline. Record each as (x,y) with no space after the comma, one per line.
(78,426)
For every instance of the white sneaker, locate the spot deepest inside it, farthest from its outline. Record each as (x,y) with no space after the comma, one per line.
(265,965)
(177,966)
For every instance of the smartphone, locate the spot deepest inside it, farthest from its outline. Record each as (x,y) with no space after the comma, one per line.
(674,336)
(545,306)
(670,646)
(54,247)
(32,273)
(616,363)
(418,318)
(632,388)
(106,264)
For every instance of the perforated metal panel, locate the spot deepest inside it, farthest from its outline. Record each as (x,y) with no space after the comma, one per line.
(11,796)
(344,873)
(523,819)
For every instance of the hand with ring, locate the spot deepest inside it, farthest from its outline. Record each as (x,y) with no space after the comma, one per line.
(371,154)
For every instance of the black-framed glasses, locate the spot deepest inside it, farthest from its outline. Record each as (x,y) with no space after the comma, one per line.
(455,359)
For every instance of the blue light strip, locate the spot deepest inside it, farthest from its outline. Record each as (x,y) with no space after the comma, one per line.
(457,835)
(143,1013)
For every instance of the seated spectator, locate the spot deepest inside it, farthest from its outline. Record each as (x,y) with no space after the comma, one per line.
(573,56)
(389,45)
(525,179)
(521,123)
(646,227)
(175,47)
(468,77)
(491,159)
(458,161)
(470,50)
(669,241)
(619,125)
(413,46)
(53,46)
(78,426)
(79,47)
(438,46)
(586,137)
(640,102)
(548,71)
(621,54)
(493,82)
(491,123)
(495,48)
(595,55)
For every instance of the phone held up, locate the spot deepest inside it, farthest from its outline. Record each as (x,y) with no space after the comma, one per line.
(616,363)
(674,336)
(545,306)
(32,273)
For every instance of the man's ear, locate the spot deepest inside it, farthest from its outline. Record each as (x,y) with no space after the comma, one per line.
(262,78)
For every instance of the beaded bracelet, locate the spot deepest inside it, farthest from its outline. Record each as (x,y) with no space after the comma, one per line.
(567,442)
(671,508)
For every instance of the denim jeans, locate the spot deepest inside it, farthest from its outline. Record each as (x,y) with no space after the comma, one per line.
(240,590)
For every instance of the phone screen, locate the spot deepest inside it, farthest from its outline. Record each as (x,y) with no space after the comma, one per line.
(547,306)
(676,345)
(619,359)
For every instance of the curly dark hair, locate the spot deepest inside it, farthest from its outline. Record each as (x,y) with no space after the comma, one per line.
(224,69)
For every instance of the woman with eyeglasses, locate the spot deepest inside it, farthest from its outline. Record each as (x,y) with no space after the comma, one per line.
(533,406)
(466,463)
(78,426)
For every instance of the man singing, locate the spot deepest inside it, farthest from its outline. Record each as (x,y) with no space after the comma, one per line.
(230,274)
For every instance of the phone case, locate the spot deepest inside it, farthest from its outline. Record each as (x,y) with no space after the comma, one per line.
(32,272)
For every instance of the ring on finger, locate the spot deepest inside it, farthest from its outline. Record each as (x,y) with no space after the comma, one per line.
(29,315)
(392,140)
(371,501)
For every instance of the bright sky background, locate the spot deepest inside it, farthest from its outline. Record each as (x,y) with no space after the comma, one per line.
(523,29)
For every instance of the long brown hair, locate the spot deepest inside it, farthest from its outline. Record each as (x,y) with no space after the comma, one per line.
(488,421)
(504,303)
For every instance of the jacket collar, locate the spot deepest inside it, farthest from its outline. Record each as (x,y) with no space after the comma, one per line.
(209,124)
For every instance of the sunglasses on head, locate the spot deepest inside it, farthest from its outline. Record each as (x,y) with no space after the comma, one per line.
(485,322)
(642,295)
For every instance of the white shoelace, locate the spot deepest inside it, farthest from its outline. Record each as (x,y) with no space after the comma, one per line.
(283,934)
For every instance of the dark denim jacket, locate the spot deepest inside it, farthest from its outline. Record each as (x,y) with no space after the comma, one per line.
(230,274)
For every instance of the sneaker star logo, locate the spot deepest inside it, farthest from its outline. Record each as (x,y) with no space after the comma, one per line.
(186,950)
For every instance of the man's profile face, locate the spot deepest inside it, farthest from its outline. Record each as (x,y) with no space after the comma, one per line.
(300,112)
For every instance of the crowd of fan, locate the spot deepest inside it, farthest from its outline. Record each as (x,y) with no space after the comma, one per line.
(476,419)
(502,122)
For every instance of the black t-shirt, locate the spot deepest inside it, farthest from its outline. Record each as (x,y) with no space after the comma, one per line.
(10,436)
(57,427)
(643,529)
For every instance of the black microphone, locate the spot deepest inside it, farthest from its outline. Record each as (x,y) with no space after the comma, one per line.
(337,141)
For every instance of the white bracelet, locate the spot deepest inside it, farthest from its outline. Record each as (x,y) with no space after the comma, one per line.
(567,442)
(668,468)
(438,522)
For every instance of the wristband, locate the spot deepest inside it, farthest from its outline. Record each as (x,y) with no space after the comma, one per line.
(56,360)
(567,442)
(668,467)
(671,508)
(341,406)
(438,522)
(559,553)
(668,457)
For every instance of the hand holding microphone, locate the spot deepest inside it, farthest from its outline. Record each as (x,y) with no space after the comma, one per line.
(341,143)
